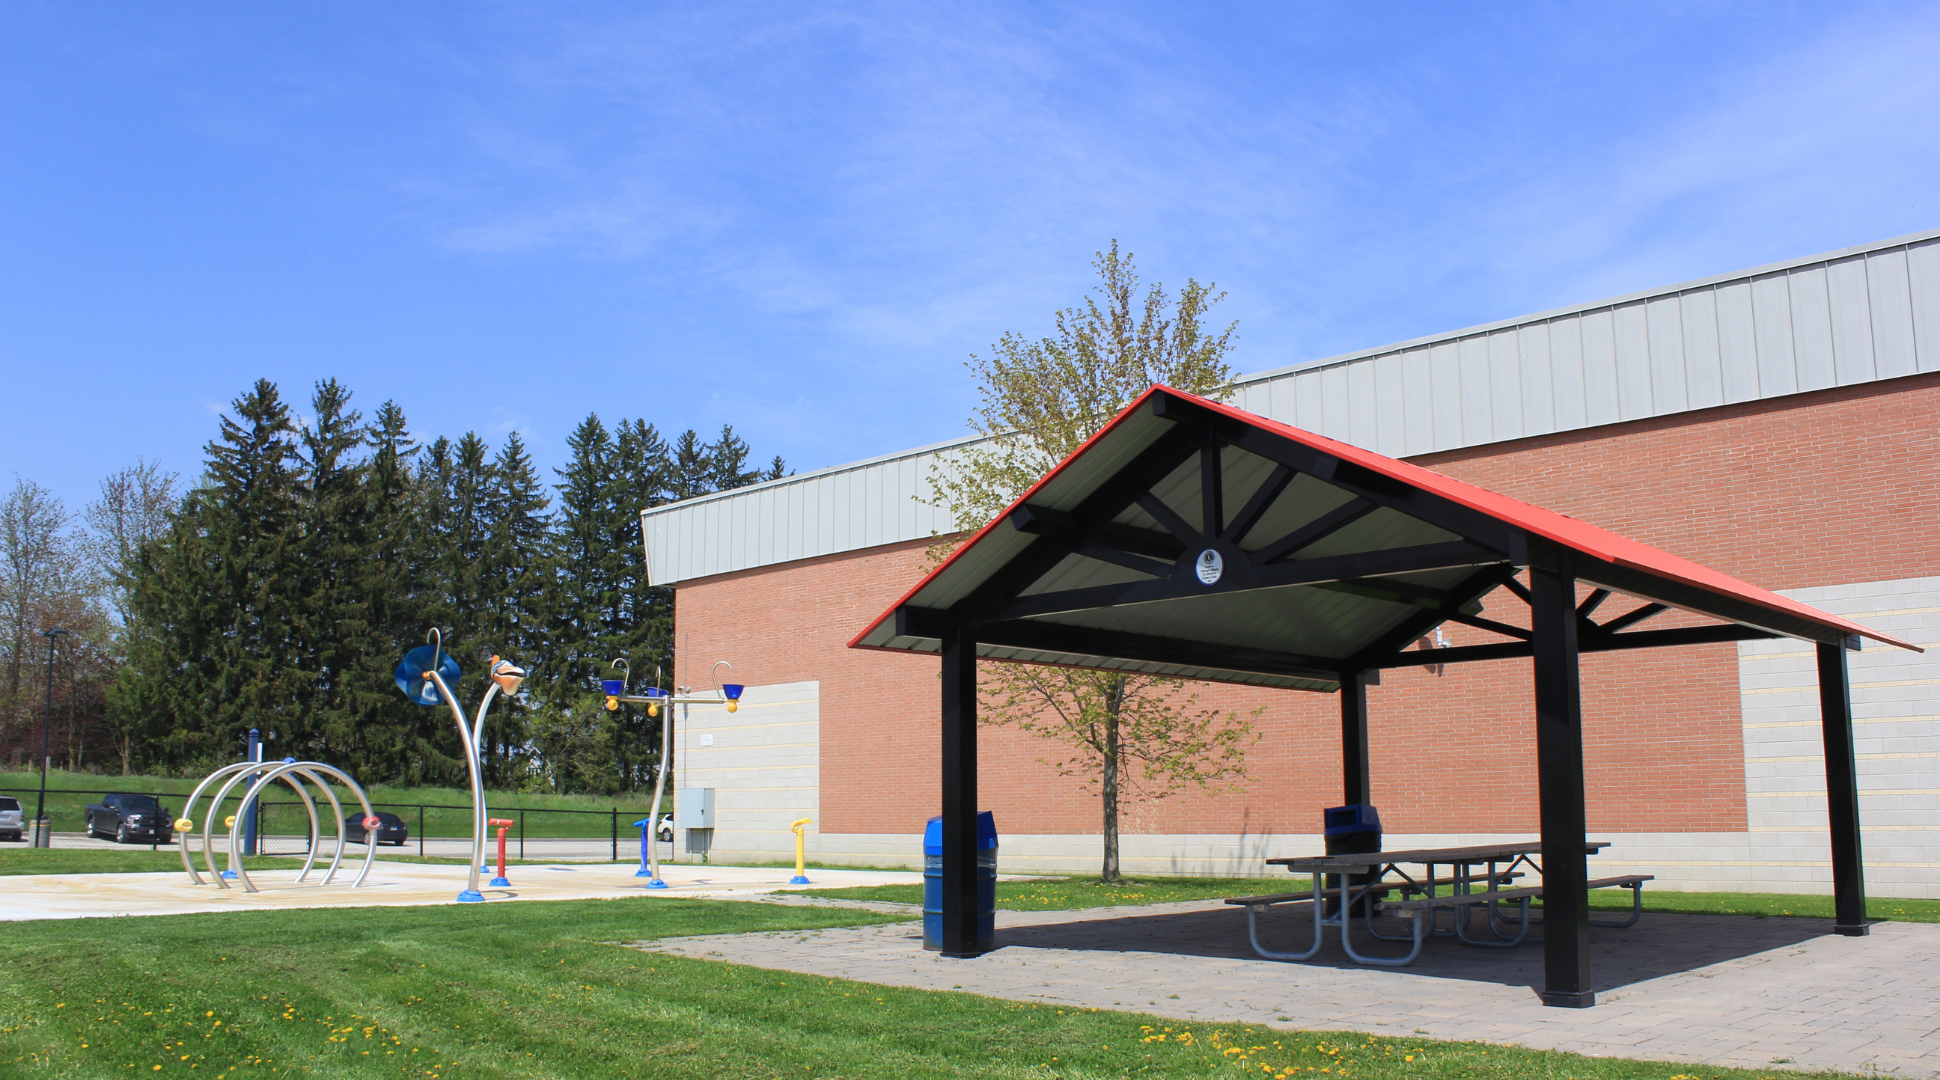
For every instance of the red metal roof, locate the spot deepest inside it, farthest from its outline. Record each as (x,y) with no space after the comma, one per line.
(1582,537)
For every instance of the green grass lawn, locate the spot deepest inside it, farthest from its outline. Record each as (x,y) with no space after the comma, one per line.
(535,990)
(1071,893)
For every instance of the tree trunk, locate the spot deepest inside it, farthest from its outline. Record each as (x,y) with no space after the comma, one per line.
(1108,787)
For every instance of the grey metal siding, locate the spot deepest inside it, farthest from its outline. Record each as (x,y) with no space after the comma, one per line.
(1849,317)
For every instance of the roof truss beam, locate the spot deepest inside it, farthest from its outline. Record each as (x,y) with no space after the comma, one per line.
(1314,531)
(1470,591)
(1347,476)
(1638,639)
(1632,618)
(1250,514)
(1182,584)
(1082,641)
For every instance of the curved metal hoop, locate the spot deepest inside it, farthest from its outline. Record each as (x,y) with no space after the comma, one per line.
(291,774)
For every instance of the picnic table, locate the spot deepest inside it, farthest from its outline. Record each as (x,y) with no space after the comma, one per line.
(1477,876)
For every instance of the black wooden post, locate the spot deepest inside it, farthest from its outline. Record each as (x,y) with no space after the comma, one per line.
(960,792)
(1841,793)
(1355,787)
(1559,765)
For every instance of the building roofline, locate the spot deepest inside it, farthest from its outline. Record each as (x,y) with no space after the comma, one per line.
(1350,357)
(1594,305)
(802,478)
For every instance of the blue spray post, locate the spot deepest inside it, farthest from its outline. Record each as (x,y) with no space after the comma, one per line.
(645,825)
(249,812)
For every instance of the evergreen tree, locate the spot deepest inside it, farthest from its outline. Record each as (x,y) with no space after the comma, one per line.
(512,575)
(290,579)
(218,594)
(383,735)
(329,612)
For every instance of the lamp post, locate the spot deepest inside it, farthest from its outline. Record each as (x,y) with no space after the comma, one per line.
(42,832)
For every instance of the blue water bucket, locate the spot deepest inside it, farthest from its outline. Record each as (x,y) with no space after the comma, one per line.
(986,883)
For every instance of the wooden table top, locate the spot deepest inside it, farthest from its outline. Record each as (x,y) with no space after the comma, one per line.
(1457,856)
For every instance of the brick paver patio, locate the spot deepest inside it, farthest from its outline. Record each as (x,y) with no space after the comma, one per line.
(1720,990)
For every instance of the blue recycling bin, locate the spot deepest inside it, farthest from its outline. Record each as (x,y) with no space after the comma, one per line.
(986,883)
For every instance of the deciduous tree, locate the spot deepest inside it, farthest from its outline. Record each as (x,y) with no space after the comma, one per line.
(1131,736)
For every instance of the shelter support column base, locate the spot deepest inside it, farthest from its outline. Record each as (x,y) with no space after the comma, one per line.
(1559,766)
(1842,793)
(960,923)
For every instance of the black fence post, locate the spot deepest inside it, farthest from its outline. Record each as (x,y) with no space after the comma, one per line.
(420,830)
(521,836)
(616,834)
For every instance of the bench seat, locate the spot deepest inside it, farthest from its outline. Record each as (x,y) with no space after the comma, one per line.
(1411,907)
(1382,889)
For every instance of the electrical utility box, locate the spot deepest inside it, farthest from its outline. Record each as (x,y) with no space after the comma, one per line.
(694,809)
(694,813)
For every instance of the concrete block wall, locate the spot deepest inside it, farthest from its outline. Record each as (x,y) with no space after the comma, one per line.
(763,762)
(1896,739)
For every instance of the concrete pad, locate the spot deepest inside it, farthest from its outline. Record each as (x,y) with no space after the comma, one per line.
(392,884)
(1759,993)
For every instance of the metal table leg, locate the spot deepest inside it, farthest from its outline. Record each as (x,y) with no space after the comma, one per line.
(1636,910)
(1420,934)
(1253,928)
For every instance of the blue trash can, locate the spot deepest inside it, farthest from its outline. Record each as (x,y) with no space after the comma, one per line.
(986,883)
(1353,829)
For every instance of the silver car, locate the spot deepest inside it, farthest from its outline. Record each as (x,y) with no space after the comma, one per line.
(12,825)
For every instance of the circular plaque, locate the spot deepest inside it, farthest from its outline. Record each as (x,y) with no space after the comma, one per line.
(1209,567)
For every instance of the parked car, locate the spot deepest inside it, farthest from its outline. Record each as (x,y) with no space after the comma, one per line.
(126,818)
(665,832)
(390,829)
(12,825)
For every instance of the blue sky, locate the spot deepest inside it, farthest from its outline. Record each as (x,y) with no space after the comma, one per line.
(800,219)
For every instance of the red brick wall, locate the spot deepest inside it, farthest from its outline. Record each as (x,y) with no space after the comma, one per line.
(1817,489)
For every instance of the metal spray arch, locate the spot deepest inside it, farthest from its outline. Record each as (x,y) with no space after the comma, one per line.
(290,772)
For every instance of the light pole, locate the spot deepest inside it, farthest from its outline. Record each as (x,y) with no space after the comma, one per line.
(43,833)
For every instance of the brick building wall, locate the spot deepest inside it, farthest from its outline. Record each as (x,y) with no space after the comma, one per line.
(1808,491)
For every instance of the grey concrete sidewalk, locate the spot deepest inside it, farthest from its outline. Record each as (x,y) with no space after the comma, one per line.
(1745,992)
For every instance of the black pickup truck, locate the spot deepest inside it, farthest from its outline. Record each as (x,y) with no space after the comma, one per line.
(126,818)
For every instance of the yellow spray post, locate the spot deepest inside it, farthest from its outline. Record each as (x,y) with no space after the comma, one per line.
(801,842)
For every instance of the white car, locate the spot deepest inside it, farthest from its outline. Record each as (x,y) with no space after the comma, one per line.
(12,824)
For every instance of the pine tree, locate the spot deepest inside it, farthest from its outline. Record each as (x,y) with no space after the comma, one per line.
(304,563)
(328,608)
(513,590)
(219,596)
(379,732)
